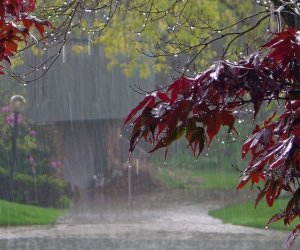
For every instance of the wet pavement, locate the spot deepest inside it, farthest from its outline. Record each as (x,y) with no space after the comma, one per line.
(160,221)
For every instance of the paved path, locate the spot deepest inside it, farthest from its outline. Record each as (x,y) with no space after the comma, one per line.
(149,223)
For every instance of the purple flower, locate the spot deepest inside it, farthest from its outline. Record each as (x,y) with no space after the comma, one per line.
(5,109)
(20,119)
(10,119)
(32,133)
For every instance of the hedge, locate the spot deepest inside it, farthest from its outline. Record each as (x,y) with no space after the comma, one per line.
(47,191)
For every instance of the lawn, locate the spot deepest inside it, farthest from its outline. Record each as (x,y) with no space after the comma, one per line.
(14,214)
(245,214)
(239,214)
(195,179)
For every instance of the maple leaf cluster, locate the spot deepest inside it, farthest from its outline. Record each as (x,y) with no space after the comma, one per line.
(197,108)
(16,22)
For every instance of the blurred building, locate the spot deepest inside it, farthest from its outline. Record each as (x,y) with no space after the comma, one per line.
(86,104)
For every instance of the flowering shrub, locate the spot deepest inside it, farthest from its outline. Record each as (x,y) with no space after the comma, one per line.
(33,156)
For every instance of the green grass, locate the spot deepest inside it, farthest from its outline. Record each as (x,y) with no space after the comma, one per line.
(14,214)
(195,179)
(245,214)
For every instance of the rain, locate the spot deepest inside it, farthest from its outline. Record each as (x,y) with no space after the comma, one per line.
(65,148)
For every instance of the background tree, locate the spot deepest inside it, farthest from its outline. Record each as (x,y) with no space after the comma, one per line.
(167,30)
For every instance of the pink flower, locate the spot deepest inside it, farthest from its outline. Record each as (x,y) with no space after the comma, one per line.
(56,164)
(32,161)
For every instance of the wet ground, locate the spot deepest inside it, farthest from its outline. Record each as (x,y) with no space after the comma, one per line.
(169,220)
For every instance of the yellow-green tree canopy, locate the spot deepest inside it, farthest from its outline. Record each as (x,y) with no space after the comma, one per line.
(170,31)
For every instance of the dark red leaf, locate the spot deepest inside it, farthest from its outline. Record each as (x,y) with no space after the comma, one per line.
(275,218)
(271,194)
(166,141)
(148,101)
(196,137)
(290,240)
(213,124)
(11,47)
(164,97)
(179,87)
(243,182)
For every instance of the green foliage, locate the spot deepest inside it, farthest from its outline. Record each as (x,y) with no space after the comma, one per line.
(172,31)
(47,191)
(162,27)
(14,214)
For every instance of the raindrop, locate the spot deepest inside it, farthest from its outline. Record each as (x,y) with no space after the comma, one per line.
(139,33)
(120,134)
(222,142)
(192,27)
(165,162)
(175,55)
(266,227)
